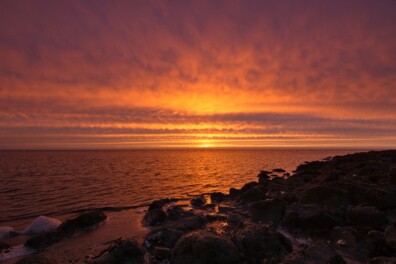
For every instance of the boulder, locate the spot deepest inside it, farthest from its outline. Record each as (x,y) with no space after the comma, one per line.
(309,217)
(204,248)
(36,259)
(198,201)
(81,222)
(233,192)
(279,170)
(366,217)
(123,251)
(319,252)
(177,212)
(259,243)
(189,223)
(217,197)
(67,229)
(253,195)
(267,211)
(249,186)
(162,237)
(154,217)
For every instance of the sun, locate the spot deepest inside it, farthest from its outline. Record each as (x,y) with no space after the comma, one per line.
(205,145)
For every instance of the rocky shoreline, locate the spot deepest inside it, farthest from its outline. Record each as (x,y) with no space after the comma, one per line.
(338,210)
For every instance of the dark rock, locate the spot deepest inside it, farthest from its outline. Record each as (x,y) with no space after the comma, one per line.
(158,204)
(226,209)
(198,201)
(215,217)
(252,195)
(36,259)
(390,237)
(124,251)
(267,211)
(162,253)
(217,197)
(392,176)
(210,206)
(248,186)
(67,229)
(162,237)
(40,242)
(382,199)
(234,192)
(264,181)
(203,248)
(280,170)
(264,174)
(259,243)
(325,195)
(382,260)
(346,241)
(376,244)
(154,217)
(367,216)
(189,223)
(4,246)
(177,212)
(319,252)
(235,219)
(81,222)
(309,217)
(311,166)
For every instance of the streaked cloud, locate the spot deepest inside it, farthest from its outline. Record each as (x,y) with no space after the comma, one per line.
(97,71)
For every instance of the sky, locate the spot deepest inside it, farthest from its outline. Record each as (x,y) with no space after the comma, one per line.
(94,74)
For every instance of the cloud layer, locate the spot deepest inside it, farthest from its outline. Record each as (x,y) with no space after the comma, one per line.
(176,73)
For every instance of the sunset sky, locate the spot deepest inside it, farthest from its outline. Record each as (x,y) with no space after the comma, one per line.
(179,73)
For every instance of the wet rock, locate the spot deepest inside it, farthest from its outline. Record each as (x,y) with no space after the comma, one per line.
(392,176)
(198,201)
(81,222)
(177,212)
(319,252)
(280,170)
(367,217)
(162,237)
(309,217)
(158,204)
(4,246)
(217,197)
(154,217)
(267,211)
(189,223)
(203,248)
(259,243)
(68,228)
(36,259)
(253,195)
(124,251)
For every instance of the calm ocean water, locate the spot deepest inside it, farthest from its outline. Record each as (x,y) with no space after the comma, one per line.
(54,183)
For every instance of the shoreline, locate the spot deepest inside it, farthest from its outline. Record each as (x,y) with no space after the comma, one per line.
(340,210)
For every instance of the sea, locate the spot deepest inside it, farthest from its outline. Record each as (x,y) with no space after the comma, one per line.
(39,189)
